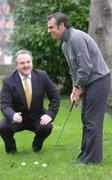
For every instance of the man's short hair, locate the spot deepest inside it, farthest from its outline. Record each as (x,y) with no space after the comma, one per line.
(23,51)
(60,18)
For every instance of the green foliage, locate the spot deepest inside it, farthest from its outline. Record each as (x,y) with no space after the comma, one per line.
(31,33)
(1,82)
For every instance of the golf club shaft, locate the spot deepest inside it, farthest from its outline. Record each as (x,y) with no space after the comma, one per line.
(61,132)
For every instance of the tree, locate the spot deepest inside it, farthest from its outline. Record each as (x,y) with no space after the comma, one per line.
(31,33)
(100,27)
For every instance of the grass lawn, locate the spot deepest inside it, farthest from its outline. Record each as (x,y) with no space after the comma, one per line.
(62,167)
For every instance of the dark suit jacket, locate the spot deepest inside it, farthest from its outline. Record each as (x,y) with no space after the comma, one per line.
(13,97)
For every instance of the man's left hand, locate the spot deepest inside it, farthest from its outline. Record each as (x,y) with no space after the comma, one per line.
(76,94)
(45,119)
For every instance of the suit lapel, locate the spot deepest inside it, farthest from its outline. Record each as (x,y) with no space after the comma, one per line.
(19,88)
(34,87)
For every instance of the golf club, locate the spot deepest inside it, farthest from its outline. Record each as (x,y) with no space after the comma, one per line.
(51,157)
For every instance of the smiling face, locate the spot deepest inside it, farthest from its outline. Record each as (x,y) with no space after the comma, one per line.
(55,30)
(24,64)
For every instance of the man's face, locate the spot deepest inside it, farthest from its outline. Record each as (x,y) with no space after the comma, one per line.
(24,64)
(55,30)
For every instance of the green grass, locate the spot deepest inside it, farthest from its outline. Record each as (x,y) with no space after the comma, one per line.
(62,166)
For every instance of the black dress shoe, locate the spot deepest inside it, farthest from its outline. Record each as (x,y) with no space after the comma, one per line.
(38,146)
(11,151)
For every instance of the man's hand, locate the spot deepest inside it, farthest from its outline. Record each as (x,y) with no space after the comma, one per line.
(17,118)
(76,94)
(45,119)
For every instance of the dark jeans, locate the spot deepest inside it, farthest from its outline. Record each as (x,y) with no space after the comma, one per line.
(8,129)
(93,110)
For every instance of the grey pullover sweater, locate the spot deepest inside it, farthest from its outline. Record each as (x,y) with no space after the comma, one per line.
(84,58)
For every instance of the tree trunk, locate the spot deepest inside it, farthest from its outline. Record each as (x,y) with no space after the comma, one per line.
(100,27)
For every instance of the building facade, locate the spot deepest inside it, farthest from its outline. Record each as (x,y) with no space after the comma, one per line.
(6,29)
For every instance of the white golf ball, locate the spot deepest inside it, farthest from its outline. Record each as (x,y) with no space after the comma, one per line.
(23,164)
(35,162)
(44,165)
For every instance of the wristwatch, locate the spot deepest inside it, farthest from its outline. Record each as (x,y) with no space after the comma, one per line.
(78,87)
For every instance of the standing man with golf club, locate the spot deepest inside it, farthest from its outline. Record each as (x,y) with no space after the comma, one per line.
(91,80)
(22,103)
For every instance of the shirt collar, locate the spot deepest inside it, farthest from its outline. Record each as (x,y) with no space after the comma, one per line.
(65,35)
(23,77)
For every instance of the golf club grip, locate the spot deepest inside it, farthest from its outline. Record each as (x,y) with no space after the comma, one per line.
(73,103)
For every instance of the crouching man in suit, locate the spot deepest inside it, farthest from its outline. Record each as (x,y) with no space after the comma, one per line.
(22,99)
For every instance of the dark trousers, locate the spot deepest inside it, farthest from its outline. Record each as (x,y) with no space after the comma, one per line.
(8,129)
(93,110)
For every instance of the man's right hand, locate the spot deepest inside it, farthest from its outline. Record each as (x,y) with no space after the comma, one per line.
(17,118)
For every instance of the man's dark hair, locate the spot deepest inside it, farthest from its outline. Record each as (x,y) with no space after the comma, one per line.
(60,18)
